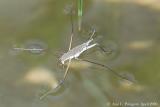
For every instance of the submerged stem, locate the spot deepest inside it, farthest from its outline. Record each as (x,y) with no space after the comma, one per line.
(80,13)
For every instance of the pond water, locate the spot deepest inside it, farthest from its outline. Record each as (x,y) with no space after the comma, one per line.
(130,28)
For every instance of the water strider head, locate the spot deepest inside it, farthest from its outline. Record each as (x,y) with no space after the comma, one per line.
(60,62)
(62,59)
(65,57)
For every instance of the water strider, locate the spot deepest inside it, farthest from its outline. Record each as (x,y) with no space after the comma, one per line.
(78,50)
(74,53)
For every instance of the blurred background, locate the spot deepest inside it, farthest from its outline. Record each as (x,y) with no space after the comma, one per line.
(131,28)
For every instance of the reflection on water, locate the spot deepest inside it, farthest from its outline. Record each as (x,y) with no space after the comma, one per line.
(140,45)
(40,76)
(129,28)
(34,47)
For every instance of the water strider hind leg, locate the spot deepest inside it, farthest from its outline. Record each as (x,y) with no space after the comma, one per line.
(104,50)
(107,67)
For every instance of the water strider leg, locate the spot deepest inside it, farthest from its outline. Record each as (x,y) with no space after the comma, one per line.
(51,90)
(68,65)
(104,50)
(90,46)
(59,84)
(105,66)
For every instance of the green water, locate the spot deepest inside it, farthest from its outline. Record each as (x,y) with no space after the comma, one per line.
(129,29)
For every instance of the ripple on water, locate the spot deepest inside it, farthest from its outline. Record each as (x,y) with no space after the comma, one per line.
(36,44)
(32,46)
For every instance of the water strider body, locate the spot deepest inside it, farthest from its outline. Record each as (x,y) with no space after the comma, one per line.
(76,51)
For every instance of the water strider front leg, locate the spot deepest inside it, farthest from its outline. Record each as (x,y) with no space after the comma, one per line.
(52,90)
